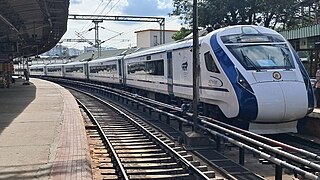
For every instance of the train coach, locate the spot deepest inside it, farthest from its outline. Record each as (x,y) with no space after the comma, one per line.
(38,70)
(107,70)
(250,77)
(54,70)
(75,70)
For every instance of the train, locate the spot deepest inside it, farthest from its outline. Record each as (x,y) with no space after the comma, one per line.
(250,77)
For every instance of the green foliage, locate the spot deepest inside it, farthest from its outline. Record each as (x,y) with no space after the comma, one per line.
(181,34)
(269,13)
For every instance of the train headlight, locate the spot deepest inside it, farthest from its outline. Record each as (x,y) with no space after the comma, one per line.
(243,82)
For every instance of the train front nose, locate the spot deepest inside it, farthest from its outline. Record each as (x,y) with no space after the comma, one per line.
(280,101)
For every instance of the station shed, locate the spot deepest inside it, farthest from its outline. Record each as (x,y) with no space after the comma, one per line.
(306,41)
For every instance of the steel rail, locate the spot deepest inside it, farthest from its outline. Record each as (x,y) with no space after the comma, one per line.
(265,146)
(186,163)
(260,137)
(253,135)
(250,140)
(264,155)
(122,170)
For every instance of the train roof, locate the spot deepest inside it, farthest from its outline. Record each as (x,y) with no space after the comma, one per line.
(105,59)
(37,66)
(75,63)
(54,65)
(162,48)
(240,29)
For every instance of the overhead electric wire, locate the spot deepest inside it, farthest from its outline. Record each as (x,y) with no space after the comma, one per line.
(113,6)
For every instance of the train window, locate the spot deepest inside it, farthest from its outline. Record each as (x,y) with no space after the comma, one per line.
(74,69)
(54,69)
(263,56)
(252,38)
(155,68)
(210,64)
(105,69)
(37,70)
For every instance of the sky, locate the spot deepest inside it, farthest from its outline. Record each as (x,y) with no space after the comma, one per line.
(127,38)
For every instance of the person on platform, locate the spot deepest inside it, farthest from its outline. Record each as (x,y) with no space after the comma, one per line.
(26,75)
(317,86)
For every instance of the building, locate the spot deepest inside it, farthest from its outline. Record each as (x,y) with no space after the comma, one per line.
(152,37)
(62,51)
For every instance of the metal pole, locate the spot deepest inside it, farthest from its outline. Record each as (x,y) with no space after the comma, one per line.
(241,156)
(96,28)
(278,171)
(160,33)
(164,33)
(196,66)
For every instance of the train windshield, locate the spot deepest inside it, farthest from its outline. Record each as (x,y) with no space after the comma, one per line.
(262,56)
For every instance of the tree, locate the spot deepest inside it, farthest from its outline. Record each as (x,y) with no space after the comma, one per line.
(271,13)
(181,34)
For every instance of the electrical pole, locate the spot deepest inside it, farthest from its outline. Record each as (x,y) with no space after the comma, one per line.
(97,41)
(196,65)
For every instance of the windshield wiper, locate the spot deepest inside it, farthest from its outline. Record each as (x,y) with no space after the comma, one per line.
(247,59)
(286,60)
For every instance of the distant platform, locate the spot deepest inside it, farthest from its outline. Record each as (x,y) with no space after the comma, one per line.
(42,133)
(311,124)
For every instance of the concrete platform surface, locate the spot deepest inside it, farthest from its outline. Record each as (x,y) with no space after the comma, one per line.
(42,134)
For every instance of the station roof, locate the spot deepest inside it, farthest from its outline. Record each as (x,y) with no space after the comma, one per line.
(31,27)
(104,54)
(303,32)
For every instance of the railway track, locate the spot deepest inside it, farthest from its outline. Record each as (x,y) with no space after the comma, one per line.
(299,146)
(127,148)
(258,145)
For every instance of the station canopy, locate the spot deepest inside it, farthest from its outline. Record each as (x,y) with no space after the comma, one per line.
(31,27)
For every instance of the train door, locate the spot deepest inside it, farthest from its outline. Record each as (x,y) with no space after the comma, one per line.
(170,74)
(120,70)
(86,71)
(211,78)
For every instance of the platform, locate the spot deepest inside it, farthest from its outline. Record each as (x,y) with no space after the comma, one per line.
(42,134)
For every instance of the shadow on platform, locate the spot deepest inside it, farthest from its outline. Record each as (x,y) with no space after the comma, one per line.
(56,170)
(14,100)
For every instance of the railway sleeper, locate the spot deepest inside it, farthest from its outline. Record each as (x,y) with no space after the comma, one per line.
(105,165)
(109,177)
(123,131)
(182,153)
(185,176)
(156,171)
(97,156)
(188,157)
(124,135)
(139,151)
(167,165)
(135,147)
(110,171)
(202,168)
(210,174)
(147,160)
(144,155)
(195,163)
(100,151)
(115,138)
(132,144)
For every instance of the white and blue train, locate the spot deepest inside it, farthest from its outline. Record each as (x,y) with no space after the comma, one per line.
(250,76)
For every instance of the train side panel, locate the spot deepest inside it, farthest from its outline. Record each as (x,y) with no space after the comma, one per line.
(105,70)
(54,70)
(75,70)
(147,72)
(215,87)
(182,72)
(37,70)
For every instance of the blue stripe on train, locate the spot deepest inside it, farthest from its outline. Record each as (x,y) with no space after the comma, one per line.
(248,109)
(305,76)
